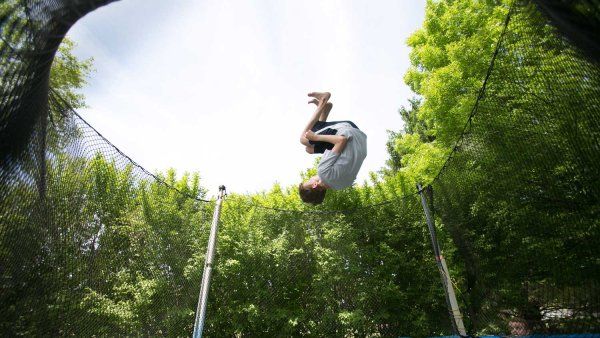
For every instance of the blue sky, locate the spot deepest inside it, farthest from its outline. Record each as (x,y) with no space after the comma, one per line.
(219,87)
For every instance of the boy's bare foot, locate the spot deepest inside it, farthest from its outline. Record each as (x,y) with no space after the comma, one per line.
(315,101)
(321,97)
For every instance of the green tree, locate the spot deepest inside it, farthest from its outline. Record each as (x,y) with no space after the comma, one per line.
(30,238)
(520,182)
(111,250)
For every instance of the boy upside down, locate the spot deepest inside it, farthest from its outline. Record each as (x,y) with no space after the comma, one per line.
(344,148)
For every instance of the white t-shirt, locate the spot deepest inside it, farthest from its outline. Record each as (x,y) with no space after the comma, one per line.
(339,171)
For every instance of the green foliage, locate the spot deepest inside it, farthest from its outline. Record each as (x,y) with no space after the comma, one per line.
(519,191)
(68,74)
(294,273)
(449,58)
(107,250)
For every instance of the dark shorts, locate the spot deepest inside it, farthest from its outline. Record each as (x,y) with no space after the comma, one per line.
(319,147)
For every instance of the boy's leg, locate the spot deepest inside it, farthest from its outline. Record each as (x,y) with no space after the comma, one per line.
(322,99)
(325,112)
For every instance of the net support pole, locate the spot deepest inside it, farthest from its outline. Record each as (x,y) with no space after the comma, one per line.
(210,254)
(455,315)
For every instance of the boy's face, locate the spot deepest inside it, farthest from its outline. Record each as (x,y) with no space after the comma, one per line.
(312,183)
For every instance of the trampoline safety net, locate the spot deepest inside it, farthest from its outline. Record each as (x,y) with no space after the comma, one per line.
(92,244)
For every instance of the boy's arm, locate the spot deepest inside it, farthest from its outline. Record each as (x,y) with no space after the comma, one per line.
(339,142)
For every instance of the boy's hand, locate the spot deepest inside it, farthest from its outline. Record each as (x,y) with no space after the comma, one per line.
(310,135)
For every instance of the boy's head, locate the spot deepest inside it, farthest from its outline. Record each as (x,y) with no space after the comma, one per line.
(312,191)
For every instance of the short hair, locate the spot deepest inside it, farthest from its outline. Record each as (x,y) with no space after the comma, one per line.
(311,196)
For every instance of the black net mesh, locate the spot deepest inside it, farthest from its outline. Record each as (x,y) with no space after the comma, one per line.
(578,21)
(31,32)
(530,153)
(83,244)
(292,273)
(91,244)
